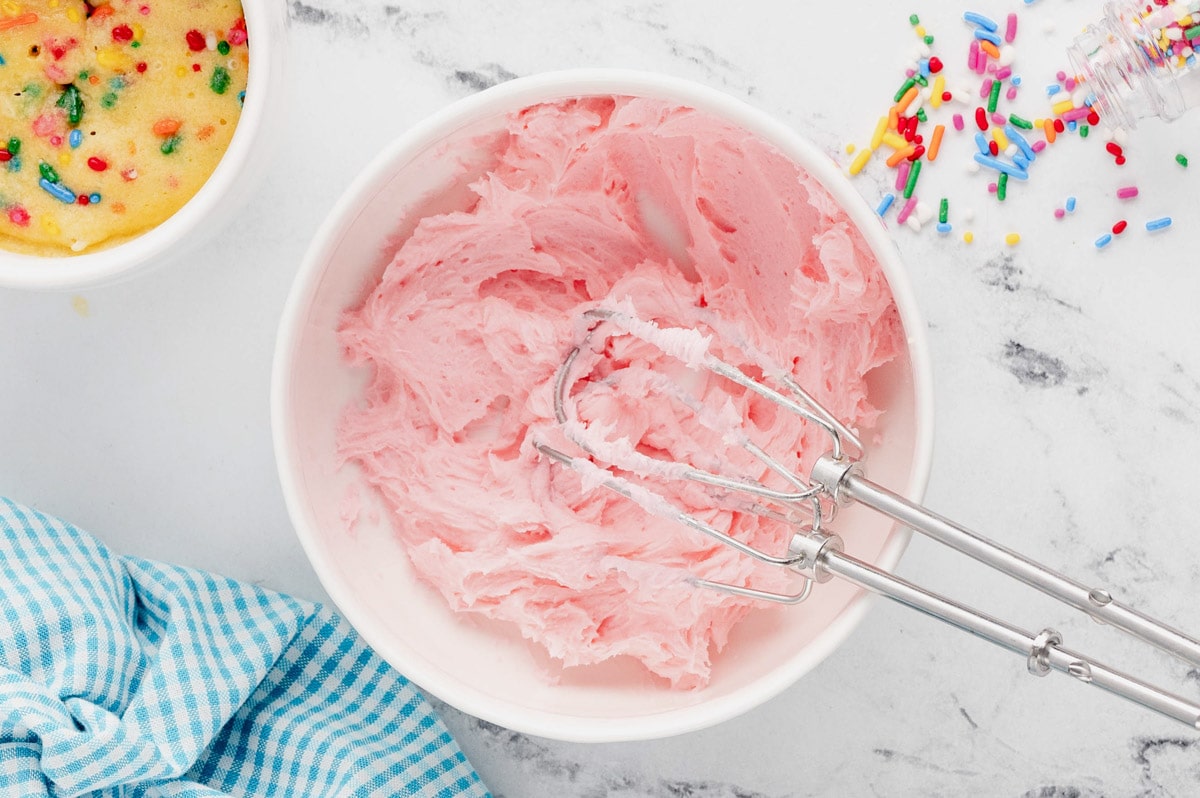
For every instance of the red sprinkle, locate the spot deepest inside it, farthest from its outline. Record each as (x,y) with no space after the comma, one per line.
(918,139)
(1059,126)
(1114,148)
(917,152)
(122,33)
(935,64)
(97,164)
(141,66)
(1119,227)
(195,67)
(993,148)
(947,96)
(1120,160)
(195,40)
(83,199)
(1093,118)
(981,118)
(5,156)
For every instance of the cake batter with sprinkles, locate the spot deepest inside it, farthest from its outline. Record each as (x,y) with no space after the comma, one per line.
(113,113)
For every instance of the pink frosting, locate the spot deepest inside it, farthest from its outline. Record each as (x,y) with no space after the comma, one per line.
(606,202)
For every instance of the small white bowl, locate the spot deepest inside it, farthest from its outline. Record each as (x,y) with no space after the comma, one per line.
(243,163)
(485,668)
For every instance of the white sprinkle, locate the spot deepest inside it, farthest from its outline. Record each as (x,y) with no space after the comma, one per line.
(968,215)
(1011,150)
(924,212)
(913,222)
(78,246)
(972,167)
(210,41)
(1007,55)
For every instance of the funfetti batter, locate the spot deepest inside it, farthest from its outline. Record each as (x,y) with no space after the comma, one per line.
(112,115)
(606,201)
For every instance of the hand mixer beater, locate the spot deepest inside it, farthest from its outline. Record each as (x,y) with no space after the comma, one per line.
(835,480)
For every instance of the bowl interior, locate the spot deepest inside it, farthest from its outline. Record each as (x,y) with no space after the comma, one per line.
(483,667)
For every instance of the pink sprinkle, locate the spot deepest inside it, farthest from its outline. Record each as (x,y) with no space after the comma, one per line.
(1060,75)
(981,63)
(998,119)
(144,11)
(1076,113)
(1004,74)
(1127,192)
(973,55)
(908,208)
(1011,93)
(985,88)
(18,216)
(1010,30)
(56,141)
(958,121)
(1059,213)
(1038,146)
(236,36)
(45,124)
(1069,85)
(908,73)
(902,174)
(992,188)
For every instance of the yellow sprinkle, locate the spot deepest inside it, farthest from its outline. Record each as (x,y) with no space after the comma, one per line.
(850,148)
(80,306)
(1001,139)
(114,59)
(860,161)
(968,236)
(1060,108)
(53,4)
(139,33)
(894,140)
(880,129)
(1012,239)
(180,71)
(939,86)
(920,31)
(64,159)
(50,226)
(73,14)
(11,8)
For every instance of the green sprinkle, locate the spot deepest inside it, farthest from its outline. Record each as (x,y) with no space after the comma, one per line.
(83,75)
(994,97)
(116,83)
(1019,121)
(33,90)
(223,47)
(914,20)
(913,174)
(1192,32)
(1083,131)
(48,172)
(1002,186)
(170,144)
(904,87)
(72,100)
(929,39)
(921,115)
(922,80)
(14,145)
(1181,159)
(108,100)
(944,211)
(220,80)
(135,45)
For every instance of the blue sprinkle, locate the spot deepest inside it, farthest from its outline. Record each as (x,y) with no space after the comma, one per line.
(1190,60)
(988,36)
(924,68)
(1158,224)
(1090,100)
(1053,89)
(1070,205)
(94,199)
(2,62)
(76,138)
(1072,125)
(944,227)
(885,203)
(57,190)
(1012,170)
(241,97)
(1021,161)
(976,18)
(116,83)
(1022,143)
(15,164)
(1015,80)
(982,143)
(1103,241)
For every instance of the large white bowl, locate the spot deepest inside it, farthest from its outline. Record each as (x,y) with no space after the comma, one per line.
(485,668)
(213,205)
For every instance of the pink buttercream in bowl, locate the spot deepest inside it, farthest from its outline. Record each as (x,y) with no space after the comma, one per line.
(417,358)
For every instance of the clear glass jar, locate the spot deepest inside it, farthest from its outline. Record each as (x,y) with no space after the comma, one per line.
(1139,60)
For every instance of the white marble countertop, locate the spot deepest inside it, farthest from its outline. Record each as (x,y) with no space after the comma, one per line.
(1067,390)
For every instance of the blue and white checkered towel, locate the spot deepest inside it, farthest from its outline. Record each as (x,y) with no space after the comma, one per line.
(126,677)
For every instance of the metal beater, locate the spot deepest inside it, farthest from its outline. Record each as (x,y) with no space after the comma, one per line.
(837,479)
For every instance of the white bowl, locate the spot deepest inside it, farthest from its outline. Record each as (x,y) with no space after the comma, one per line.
(212,206)
(485,668)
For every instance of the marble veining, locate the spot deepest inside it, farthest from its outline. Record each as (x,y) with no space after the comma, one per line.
(1066,385)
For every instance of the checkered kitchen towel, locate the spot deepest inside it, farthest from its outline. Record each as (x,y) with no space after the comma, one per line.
(126,677)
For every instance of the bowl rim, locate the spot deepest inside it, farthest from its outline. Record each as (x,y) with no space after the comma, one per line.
(35,272)
(512,95)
